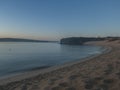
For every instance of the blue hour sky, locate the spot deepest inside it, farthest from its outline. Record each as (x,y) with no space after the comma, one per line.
(55,19)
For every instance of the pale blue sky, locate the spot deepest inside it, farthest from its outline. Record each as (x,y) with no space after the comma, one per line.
(55,19)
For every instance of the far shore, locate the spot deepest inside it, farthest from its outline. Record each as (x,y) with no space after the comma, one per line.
(92,73)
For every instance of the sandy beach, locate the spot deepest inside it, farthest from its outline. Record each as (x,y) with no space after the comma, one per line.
(95,73)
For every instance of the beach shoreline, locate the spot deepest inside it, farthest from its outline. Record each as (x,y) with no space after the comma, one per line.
(29,74)
(61,73)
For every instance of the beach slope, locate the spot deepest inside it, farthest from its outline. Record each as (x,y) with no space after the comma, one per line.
(98,73)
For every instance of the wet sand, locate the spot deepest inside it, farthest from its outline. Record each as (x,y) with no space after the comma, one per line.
(95,73)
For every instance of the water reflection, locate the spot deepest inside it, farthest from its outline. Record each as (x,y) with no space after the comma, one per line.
(17,57)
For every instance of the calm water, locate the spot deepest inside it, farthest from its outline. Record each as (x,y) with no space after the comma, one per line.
(19,57)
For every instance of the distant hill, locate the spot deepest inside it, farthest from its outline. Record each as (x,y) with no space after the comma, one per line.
(20,40)
(79,40)
(110,39)
(82,40)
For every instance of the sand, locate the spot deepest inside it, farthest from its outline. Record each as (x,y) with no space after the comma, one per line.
(95,73)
